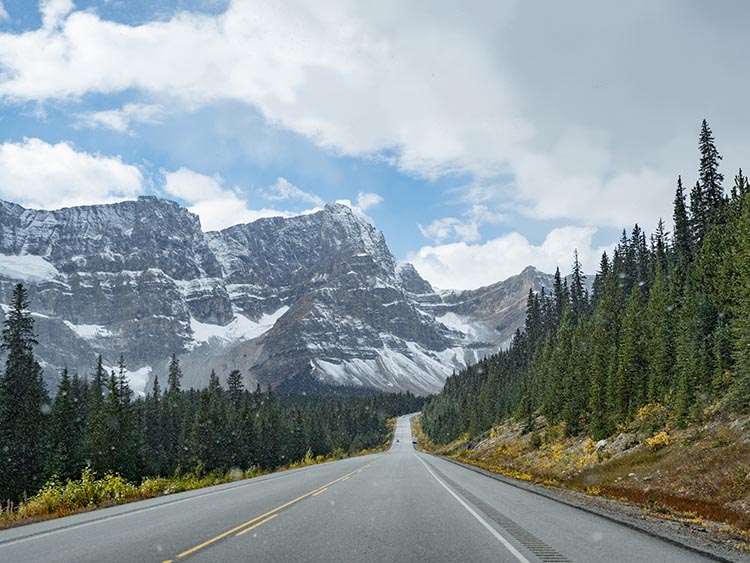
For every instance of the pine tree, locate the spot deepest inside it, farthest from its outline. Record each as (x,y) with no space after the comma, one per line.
(631,368)
(175,433)
(24,405)
(235,387)
(94,438)
(175,375)
(659,339)
(660,245)
(154,457)
(601,274)
(739,325)
(699,215)
(683,238)
(560,297)
(710,178)
(209,438)
(65,433)
(578,295)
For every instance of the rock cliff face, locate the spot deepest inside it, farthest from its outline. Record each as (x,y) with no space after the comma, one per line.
(292,302)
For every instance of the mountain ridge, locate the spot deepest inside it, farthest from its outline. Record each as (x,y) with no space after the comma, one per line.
(317,295)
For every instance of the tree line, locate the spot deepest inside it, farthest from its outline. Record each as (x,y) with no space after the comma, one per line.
(95,421)
(667,322)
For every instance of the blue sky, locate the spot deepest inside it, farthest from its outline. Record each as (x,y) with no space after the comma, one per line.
(479,141)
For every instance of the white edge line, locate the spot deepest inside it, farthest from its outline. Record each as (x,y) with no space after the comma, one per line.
(498,536)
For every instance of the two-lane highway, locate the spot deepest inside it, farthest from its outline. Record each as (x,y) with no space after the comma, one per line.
(398,506)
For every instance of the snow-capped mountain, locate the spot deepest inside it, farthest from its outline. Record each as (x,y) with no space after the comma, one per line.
(291,302)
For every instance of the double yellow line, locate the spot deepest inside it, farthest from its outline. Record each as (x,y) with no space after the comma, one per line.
(263,518)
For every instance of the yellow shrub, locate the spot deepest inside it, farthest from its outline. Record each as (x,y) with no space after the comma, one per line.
(657,441)
(589,446)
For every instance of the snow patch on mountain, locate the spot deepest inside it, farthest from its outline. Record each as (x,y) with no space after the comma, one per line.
(240,328)
(457,322)
(27,267)
(414,368)
(89,332)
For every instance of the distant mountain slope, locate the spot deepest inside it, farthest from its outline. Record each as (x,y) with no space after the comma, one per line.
(314,298)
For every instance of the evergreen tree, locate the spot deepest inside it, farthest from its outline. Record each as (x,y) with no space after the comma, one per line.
(659,339)
(209,437)
(710,178)
(631,368)
(24,405)
(65,433)
(699,215)
(578,295)
(175,375)
(94,440)
(235,387)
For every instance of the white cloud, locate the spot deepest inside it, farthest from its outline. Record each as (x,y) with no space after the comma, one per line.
(437,91)
(54,12)
(468,266)
(37,174)
(367,200)
(451,227)
(218,207)
(348,77)
(283,189)
(463,230)
(3,12)
(120,119)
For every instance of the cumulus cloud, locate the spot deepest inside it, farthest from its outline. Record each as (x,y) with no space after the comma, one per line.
(435,91)
(283,189)
(54,12)
(465,230)
(347,77)
(217,206)
(468,266)
(121,119)
(41,175)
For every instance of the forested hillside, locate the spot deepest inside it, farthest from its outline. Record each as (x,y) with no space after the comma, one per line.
(94,421)
(667,324)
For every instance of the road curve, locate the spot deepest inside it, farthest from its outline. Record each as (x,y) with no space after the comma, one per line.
(397,506)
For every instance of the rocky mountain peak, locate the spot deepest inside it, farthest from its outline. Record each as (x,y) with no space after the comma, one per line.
(317,296)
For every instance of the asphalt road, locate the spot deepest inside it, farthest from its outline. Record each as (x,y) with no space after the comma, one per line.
(397,506)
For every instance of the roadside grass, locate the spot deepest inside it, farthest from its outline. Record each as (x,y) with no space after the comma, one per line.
(698,475)
(59,498)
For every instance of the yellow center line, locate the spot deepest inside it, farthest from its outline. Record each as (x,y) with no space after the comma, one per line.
(345,478)
(321,491)
(270,512)
(246,530)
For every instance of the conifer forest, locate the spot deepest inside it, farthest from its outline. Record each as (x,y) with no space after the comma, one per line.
(666,322)
(94,421)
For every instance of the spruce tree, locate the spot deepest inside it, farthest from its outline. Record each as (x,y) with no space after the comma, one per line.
(65,433)
(235,387)
(24,405)
(94,438)
(578,295)
(632,367)
(698,215)
(710,178)
(659,339)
